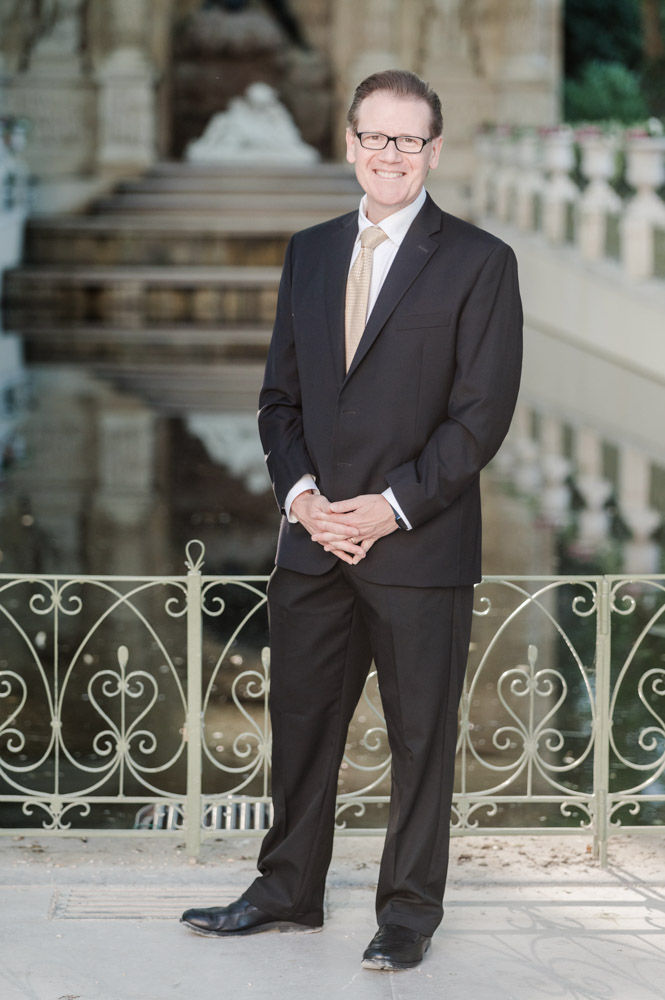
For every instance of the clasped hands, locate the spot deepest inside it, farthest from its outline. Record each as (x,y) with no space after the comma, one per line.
(347,528)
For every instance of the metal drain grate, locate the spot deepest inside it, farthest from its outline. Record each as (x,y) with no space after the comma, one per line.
(243,815)
(134,902)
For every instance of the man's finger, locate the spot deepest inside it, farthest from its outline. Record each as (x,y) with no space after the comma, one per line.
(346,556)
(344,506)
(335,529)
(344,545)
(350,534)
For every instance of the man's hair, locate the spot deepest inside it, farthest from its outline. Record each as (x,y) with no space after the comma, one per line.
(399,83)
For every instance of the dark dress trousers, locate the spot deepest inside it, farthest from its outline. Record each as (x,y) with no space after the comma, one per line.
(424,406)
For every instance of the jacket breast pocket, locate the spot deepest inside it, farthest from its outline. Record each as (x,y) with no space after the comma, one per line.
(420,321)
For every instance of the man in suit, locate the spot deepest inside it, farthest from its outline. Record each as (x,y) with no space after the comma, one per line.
(375,434)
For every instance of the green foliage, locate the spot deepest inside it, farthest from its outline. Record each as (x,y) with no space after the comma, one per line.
(653,87)
(605,91)
(601,31)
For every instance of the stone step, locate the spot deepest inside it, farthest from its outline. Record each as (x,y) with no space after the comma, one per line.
(156,240)
(266,174)
(145,344)
(140,296)
(196,180)
(257,203)
(177,390)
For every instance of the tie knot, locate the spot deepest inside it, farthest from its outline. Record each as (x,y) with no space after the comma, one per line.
(371,237)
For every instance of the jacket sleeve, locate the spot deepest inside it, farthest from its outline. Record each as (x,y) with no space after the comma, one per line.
(280,407)
(483,396)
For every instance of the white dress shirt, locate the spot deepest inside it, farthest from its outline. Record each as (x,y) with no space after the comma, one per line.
(395,227)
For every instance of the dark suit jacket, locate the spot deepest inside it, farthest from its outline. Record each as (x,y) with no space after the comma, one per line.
(425,404)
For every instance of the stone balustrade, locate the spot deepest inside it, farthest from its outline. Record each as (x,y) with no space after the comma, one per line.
(585,214)
(14,191)
(568,185)
(607,495)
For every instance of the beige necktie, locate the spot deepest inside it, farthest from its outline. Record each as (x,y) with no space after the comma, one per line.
(357,290)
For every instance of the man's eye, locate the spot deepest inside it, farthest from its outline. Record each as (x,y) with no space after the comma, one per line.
(409,140)
(373,136)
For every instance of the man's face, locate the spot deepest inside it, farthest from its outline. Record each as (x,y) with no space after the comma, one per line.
(391,179)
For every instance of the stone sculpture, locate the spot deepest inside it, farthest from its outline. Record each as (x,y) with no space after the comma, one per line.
(256,128)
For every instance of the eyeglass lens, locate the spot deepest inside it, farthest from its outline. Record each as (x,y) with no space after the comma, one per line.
(377,140)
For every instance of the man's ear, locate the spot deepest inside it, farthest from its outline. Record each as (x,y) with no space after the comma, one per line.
(435,151)
(350,146)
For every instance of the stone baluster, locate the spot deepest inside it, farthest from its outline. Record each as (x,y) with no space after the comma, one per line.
(594,488)
(555,492)
(506,177)
(527,474)
(483,180)
(559,191)
(127,114)
(598,200)
(641,554)
(646,211)
(530,180)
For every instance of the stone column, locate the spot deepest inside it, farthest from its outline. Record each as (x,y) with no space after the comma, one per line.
(530,180)
(483,179)
(365,41)
(507,174)
(646,173)
(127,104)
(52,88)
(14,194)
(527,474)
(452,54)
(641,554)
(595,490)
(559,192)
(555,494)
(125,500)
(531,66)
(58,474)
(598,199)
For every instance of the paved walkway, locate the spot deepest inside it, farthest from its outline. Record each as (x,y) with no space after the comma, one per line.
(527,918)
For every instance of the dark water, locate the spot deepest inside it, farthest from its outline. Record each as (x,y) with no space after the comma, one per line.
(97,480)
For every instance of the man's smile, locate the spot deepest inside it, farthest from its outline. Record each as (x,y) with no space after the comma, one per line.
(390,178)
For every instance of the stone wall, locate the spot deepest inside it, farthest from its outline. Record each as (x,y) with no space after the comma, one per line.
(489,61)
(96,77)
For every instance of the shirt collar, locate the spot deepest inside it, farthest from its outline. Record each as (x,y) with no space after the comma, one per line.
(397,225)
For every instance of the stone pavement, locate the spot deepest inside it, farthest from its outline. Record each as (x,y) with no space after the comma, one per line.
(527,918)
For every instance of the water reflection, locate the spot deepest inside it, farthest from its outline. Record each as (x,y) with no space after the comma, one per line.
(102,482)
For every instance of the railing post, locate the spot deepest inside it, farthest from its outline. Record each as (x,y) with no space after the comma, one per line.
(194,705)
(601,770)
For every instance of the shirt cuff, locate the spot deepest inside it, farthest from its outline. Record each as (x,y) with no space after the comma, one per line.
(304,484)
(392,500)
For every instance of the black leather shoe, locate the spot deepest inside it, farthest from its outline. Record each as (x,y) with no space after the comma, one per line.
(395,947)
(238,918)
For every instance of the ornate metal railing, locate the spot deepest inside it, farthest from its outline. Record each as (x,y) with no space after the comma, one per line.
(142,704)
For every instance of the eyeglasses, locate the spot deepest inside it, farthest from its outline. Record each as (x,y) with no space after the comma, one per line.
(404,143)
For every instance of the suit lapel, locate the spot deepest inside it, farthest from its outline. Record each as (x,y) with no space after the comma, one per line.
(416,250)
(337,268)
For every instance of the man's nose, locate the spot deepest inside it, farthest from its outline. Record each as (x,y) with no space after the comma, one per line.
(391,152)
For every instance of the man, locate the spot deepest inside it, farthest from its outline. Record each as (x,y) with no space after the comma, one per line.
(375,436)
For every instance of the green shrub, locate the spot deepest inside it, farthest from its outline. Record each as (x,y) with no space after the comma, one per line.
(605,91)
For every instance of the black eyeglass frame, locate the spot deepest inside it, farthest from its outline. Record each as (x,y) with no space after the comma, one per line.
(394,138)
